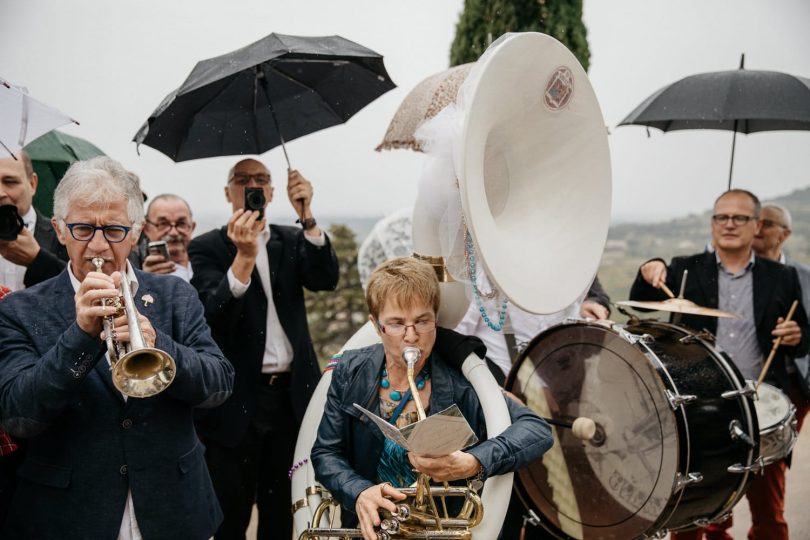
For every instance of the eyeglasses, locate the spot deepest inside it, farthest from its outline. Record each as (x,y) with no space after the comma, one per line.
(397,329)
(768,223)
(181,226)
(722,219)
(84,232)
(243,179)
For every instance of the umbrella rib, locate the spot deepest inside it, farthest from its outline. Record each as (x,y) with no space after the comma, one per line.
(306,87)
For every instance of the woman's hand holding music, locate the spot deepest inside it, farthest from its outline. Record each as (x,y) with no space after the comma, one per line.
(455,466)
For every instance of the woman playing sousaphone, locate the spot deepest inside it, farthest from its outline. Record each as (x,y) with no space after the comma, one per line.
(352,459)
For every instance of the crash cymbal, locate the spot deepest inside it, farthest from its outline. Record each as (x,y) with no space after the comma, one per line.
(679,305)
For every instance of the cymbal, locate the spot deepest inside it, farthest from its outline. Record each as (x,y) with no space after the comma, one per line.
(679,305)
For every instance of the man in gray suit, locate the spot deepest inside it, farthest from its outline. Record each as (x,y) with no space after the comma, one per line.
(774,231)
(99,464)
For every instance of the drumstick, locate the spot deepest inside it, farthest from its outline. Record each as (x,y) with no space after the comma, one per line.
(582,427)
(776,345)
(666,290)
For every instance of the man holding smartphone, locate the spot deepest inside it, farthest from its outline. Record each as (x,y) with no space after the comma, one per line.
(251,278)
(169,226)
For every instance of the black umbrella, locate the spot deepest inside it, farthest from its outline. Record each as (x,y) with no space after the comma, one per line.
(255,98)
(742,101)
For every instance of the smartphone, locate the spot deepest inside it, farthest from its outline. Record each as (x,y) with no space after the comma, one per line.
(254,200)
(158,247)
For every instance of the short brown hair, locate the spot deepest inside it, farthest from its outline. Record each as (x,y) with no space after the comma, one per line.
(27,163)
(404,280)
(745,192)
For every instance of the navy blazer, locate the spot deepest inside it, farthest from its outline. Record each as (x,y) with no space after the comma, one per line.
(239,325)
(87,447)
(775,286)
(52,257)
(348,448)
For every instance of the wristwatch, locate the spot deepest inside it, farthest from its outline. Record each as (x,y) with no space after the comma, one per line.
(307,223)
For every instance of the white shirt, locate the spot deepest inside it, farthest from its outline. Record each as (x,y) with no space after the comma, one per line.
(183,272)
(278,353)
(13,275)
(129,525)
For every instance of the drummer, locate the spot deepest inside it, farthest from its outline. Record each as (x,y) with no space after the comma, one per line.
(733,278)
(352,459)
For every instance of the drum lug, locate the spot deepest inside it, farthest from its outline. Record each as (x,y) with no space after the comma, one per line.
(755,467)
(702,522)
(698,336)
(682,481)
(531,518)
(749,390)
(676,400)
(658,535)
(632,338)
(737,432)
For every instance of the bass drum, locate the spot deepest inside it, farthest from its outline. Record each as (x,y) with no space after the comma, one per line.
(665,441)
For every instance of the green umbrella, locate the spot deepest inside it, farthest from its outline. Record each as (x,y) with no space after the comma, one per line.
(52,154)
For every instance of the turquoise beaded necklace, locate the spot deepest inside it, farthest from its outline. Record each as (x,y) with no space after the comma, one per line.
(396,395)
(470,252)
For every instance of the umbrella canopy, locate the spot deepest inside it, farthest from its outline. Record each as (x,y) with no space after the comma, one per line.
(423,103)
(741,100)
(23,118)
(274,90)
(51,155)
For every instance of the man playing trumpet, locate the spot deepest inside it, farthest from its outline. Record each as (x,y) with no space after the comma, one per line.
(101,464)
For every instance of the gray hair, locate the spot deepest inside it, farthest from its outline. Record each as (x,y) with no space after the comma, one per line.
(100,180)
(786,218)
(168,197)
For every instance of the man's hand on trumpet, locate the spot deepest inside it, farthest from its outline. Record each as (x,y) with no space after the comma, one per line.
(122,330)
(455,466)
(90,308)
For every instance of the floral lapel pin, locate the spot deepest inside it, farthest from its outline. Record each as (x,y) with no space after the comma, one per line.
(147,299)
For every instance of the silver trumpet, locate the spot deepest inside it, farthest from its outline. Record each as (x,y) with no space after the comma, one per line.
(137,370)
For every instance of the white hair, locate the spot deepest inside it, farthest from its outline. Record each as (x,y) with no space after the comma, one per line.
(100,180)
(786,218)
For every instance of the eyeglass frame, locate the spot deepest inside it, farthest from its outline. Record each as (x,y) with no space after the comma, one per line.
(103,229)
(405,327)
(768,223)
(722,219)
(169,225)
(254,177)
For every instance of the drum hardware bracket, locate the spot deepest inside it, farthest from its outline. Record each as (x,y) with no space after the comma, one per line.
(657,535)
(632,338)
(676,400)
(702,522)
(682,481)
(699,336)
(749,390)
(755,467)
(737,432)
(531,518)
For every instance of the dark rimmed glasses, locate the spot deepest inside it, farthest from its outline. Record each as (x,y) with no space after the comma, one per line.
(398,329)
(84,232)
(243,179)
(737,219)
(164,224)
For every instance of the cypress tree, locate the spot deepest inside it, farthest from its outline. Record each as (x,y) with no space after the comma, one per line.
(484,21)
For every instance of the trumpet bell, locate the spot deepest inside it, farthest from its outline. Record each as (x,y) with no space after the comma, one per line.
(143,372)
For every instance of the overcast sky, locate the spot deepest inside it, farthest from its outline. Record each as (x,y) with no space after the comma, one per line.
(109,63)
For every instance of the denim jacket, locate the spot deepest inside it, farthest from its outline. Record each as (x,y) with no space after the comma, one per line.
(348,448)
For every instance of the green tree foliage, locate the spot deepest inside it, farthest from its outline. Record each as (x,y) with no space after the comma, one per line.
(334,316)
(484,21)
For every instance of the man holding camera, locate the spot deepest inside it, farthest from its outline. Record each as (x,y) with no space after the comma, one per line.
(168,227)
(29,252)
(251,279)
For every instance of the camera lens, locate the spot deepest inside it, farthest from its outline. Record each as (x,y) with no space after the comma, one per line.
(10,222)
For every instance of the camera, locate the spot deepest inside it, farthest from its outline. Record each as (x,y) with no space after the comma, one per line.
(158,247)
(254,200)
(10,222)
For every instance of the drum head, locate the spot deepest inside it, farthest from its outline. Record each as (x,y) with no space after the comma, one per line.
(615,488)
(772,405)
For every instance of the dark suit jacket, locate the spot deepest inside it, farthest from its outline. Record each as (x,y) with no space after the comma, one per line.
(52,257)
(86,446)
(775,286)
(239,325)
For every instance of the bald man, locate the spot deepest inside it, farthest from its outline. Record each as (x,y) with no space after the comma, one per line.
(251,280)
